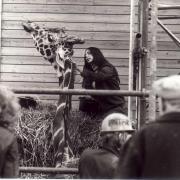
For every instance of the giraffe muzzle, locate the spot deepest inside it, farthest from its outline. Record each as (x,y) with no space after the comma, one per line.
(27,27)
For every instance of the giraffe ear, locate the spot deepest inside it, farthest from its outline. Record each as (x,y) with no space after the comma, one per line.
(74,40)
(27,28)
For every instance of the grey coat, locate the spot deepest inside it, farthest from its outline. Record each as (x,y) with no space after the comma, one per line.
(8,154)
(154,151)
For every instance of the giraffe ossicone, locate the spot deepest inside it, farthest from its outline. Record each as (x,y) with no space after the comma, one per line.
(56,46)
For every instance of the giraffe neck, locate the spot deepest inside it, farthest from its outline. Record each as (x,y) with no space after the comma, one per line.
(62,117)
(68,74)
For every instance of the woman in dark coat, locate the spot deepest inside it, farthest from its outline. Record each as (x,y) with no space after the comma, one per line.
(9,109)
(98,74)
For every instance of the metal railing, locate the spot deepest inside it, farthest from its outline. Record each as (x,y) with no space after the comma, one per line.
(79,92)
(47,170)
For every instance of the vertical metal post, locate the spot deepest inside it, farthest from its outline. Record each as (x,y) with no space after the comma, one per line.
(131,46)
(1,25)
(138,81)
(153,60)
(1,3)
(143,63)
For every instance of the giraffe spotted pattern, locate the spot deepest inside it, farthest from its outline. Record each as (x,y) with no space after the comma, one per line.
(56,46)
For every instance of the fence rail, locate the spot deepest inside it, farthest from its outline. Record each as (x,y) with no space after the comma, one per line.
(71,92)
(166,6)
(48,170)
(80,92)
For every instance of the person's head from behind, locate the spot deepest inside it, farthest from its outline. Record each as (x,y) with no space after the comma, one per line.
(9,107)
(116,128)
(94,56)
(168,91)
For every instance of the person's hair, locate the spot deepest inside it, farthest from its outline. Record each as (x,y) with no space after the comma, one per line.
(114,139)
(98,57)
(9,108)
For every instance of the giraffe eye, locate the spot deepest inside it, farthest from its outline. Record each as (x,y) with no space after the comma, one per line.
(50,38)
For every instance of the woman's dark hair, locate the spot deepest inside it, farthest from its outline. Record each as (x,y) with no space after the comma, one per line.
(99,58)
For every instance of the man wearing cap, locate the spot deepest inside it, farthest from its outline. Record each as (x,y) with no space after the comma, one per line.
(154,151)
(101,163)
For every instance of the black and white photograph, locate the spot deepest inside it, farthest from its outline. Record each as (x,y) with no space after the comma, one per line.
(90,89)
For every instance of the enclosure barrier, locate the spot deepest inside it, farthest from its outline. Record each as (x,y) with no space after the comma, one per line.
(80,92)
(48,170)
(71,92)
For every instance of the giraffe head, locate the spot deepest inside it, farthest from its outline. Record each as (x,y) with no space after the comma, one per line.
(65,50)
(45,40)
(54,44)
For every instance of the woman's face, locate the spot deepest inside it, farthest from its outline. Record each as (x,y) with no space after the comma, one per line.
(88,56)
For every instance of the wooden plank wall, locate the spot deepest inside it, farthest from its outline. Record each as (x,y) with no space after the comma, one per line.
(168,52)
(102,23)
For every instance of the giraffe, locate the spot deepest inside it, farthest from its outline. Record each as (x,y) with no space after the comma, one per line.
(56,46)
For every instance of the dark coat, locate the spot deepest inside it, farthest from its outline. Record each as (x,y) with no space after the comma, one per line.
(8,154)
(154,151)
(97,163)
(105,78)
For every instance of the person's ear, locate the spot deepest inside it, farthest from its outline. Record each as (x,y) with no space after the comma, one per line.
(162,105)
